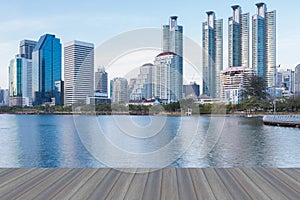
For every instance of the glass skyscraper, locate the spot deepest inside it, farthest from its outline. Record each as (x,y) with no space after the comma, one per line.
(101,81)
(46,70)
(264,43)
(26,48)
(238,38)
(173,42)
(212,44)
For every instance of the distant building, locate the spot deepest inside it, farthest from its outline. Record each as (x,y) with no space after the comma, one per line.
(119,91)
(142,89)
(297,81)
(264,43)
(20,86)
(238,38)
(101,81)
(286,81)
(212,44)
(164,71)
(191,91)
(46,70)
(26,48)
(4,97)
(79,71)
(233,80)
(173,42)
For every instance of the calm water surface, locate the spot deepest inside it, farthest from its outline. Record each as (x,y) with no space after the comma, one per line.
(62,141)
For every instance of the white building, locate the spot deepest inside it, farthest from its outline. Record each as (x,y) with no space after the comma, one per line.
(78,71)
(165,77)
(233,80)
(142,88)
(119,90)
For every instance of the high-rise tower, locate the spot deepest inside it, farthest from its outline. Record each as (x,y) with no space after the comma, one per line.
(264,43)
(238,38)
(173,42)
(212,43)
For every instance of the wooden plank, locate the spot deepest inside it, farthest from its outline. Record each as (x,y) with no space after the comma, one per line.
(60,182)
(90,185)
(120,188)
(105,185)
(13,175)
(6,171)
(249,186)
(276,182)
(292,173)
(31,183)
(67,191)
(202,188)
(186,188)
(15,182)
(153,186)
(169,184)
(268,188)
(216,184)
(287,179)
(137,186)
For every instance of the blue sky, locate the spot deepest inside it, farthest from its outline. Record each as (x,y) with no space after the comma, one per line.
(98,21)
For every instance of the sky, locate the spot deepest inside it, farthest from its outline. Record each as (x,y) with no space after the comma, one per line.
(98,21)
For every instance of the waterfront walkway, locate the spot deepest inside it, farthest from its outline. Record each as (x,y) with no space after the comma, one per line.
(169,183)
(282,120)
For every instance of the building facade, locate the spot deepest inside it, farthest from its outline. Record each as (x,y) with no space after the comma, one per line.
(101,82)
(142,89)
(264,43)
(233,80)
(173,42)
(119,90)
(46,70)
(4,97)
(212,44)
(164,83)
(26,48)
(297,81)
(78,71)
(238,38)
(191,91)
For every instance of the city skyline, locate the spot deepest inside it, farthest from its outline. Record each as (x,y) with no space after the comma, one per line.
(189,17)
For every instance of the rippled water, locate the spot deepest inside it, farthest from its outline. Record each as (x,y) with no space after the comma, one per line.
(143,141)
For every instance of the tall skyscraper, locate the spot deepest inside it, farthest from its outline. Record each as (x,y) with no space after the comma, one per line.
(46,70)
(173,42)
(78,71)
(212,43)
(119,90)
(101,81)
(26,48)
(238,38)
(264,43)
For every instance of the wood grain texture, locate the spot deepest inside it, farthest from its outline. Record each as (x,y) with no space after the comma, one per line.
(134,184)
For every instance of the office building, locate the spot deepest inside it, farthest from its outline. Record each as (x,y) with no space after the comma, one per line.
(297,81)
(164,83)
(142,89)
(191,91)
(173,42)
(212,43)
(20,82)
(4,97)
(286,81)
(119,90)
(264,43)
(233,80)
(78,71)
(46,70)
(238,38)
(26,48)
(101,82)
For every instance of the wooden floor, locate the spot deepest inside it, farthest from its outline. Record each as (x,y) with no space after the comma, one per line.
(169,183)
